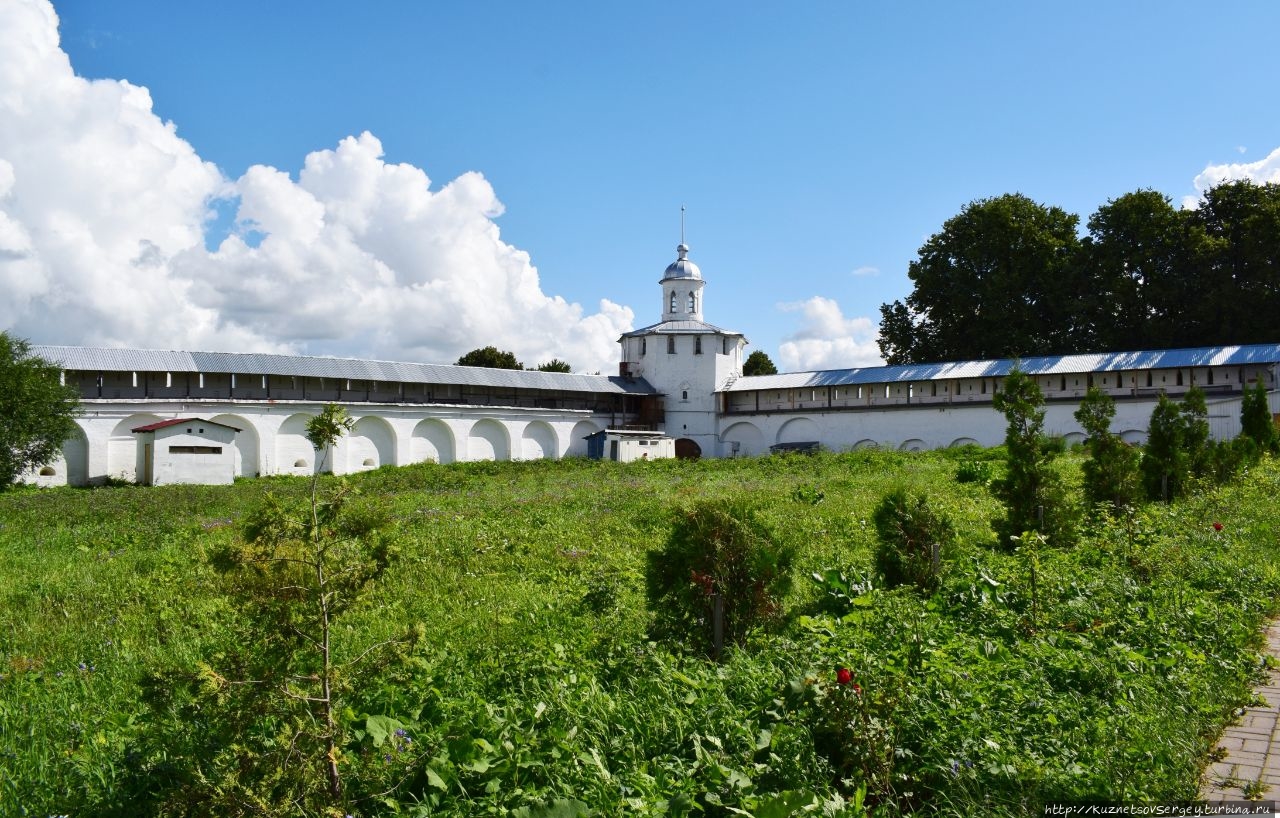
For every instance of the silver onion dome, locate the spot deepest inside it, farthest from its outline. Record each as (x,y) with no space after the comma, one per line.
(682,267)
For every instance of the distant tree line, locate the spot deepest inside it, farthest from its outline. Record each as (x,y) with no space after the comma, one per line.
(1009,277)
(493,358)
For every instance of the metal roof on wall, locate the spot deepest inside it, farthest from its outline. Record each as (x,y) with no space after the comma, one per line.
(1041,365)
(98,359)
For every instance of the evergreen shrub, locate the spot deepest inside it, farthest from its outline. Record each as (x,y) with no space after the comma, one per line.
(912,541)
(720,552)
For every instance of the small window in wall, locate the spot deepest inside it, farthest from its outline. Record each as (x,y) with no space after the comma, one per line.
(1210,377)
(724,346)
(933,390)
(671,345)
(697,344)
(299,464)
(673,302)
(135,379)
(859,393)
(48,471)
(691,303)
(644,345)
(684,394)
(168,380)
(1179,377)
(984,386)
(202,380)
(886,390)
(195,450)
(1064,384)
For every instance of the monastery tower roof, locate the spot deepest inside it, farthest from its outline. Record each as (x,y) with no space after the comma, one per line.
(682,267)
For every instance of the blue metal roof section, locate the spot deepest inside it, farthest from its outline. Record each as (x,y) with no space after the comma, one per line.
(1041,365)
(98,359)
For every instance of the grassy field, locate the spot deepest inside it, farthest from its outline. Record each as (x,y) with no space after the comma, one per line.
(535,688)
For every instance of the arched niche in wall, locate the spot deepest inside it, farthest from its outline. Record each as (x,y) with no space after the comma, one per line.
(122,447)
(487,440)
(432,440)
(538,442)
(294,454)
(370,444)
(747,435)
(246,445)
(578,437)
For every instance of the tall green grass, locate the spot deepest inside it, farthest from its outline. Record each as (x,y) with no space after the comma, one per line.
(536,685)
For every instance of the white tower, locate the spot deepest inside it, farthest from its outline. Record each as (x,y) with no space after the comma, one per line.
(682,288)
(685,359)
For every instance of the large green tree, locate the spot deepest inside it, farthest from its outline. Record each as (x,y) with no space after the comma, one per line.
(490,357)
(1008,277)
(1141,258)
(555,365)
(759,363)
(999,280)
(1239,277)
(36,410)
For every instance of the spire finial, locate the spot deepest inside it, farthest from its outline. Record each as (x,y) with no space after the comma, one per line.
(682,224)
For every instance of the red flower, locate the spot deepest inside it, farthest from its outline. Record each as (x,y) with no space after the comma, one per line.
(844,675)
(1217,526)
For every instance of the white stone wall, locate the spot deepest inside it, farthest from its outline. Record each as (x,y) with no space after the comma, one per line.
(272,437)
(916,427)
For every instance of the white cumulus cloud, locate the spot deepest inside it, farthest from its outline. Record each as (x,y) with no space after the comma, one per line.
(828,340)
(1263,171)
(103,218)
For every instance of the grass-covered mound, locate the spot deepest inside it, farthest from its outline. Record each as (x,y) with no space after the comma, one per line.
(533,686)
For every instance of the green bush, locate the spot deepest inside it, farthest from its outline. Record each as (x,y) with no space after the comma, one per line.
(974,471)
(719,553)
(1256,422)
(1111,473)
(913,539)
(1033,494)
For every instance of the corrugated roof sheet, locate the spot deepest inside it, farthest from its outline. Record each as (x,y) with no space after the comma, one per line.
(1042,365)
(97,359)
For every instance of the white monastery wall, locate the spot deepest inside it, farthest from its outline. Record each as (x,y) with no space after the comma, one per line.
(920,427)
(273,440)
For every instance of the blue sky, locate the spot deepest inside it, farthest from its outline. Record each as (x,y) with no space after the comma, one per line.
(816,146)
